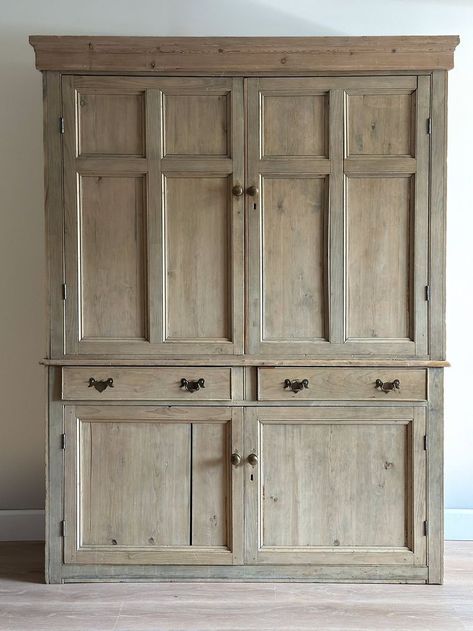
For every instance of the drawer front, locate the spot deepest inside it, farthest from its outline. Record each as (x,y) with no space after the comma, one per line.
(154,384)
(338,384)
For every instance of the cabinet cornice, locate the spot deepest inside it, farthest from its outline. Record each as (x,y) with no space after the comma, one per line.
(243,55)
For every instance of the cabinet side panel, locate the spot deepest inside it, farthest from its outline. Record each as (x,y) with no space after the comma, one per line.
(435,469)
(53,201)
(438,194)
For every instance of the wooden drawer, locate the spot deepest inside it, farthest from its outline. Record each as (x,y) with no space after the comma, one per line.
(154,384)
(342,384)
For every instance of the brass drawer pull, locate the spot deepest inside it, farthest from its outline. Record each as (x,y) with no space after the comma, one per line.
(387,386)
(100,385)
(296,385)
(192,386)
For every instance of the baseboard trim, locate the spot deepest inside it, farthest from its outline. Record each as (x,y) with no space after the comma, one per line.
(459,524)
(22,525)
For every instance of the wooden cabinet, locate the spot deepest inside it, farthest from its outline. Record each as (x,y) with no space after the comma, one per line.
(341,165)
(154,236)
(146,485)
(246,271)
(337,486)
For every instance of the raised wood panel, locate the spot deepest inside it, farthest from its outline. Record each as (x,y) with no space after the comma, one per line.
(158,384)
(293,258)
(294,125)
(379,264)
(338,384)
(152,485)
(211,496)
(198,263)
(336,485)
(196,124)
(110,124)
(112,244)
(190,299)
(381,124)
(134,484)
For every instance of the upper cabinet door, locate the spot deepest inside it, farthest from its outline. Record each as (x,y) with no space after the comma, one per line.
(154,236)
(338,227)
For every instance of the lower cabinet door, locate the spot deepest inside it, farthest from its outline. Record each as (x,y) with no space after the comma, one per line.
(150,485)
(335,485)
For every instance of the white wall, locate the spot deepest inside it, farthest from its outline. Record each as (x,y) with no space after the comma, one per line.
(22,330)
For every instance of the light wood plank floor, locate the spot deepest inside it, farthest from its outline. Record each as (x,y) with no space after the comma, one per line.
(27,604)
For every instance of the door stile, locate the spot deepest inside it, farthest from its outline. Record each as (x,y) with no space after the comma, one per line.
(420,279)
(336,217)
(154,226)
(237,225)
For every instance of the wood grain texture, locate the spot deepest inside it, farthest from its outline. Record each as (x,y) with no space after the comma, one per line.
(294,125)
(293,259)
(112,257)
(147,383)
(378,259)
(196,124)
(241,360)
(313,473)
(151,485)
(131,474)
(243,55)
(350,384)
(111,124)
(333,443)
(198,237)
(438,208)
(380,124)
(211,500)
(54,215)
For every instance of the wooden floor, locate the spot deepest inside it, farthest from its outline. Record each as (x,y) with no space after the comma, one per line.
(27,604)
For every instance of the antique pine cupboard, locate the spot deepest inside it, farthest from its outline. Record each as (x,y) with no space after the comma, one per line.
(246,265)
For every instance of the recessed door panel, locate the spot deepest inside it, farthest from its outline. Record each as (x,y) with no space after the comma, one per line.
(198,258)
(293,258)
(112,244)
(150,485)
(313,473)
(336,485)
(381,124)
(379,257)
(196,125)
(295,125)
(111,124)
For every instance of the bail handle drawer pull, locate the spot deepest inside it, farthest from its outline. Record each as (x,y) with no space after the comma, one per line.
(192,386)
(102,385)
(388,386)
(296,385)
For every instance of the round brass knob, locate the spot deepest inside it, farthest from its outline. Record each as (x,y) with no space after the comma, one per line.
(236,459)
(237,190)
(252,460)
(253,191)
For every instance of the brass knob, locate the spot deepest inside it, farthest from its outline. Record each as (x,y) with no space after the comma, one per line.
(252,460)
(253,191)
(237,190)
(236,459)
